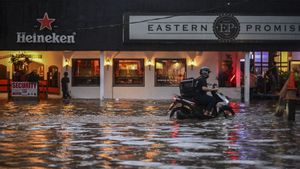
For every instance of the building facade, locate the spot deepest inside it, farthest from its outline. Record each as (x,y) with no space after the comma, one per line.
(143,49)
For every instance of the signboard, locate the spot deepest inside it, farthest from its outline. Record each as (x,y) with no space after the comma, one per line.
(41,37)
(213,28)
(24,89)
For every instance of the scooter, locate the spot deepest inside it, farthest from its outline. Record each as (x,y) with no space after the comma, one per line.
(186,107)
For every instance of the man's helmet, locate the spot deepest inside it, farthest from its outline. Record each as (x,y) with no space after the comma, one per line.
(204,70)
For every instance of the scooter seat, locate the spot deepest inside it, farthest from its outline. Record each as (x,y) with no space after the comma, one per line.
(188,98)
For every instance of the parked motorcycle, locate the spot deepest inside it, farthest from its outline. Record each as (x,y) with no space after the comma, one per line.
(184,106)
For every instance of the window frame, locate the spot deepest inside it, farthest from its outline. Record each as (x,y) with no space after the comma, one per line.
(141,60)
(281,63)
(261,64)
(155,74)
(84,85)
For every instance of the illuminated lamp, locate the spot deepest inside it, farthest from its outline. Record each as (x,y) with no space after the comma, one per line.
(192,64)
(67,64)
(149,63)
(108,63)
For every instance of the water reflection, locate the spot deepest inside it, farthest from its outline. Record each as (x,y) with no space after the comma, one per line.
(138,134)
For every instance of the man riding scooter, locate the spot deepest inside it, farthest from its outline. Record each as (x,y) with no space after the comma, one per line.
(194,102)
(201,89)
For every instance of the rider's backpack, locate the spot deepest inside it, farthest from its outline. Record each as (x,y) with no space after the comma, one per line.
(187,87)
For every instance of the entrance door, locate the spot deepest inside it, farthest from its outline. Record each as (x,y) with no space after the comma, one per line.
(53,77)
(23,68)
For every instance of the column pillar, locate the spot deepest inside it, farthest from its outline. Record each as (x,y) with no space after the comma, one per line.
(102,75)
(247,78)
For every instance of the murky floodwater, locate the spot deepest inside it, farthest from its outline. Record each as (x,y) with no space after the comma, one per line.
(138,134)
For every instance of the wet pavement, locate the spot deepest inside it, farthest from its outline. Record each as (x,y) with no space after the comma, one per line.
(139,134)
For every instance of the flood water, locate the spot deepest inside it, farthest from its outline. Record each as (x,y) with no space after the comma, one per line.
(139,134)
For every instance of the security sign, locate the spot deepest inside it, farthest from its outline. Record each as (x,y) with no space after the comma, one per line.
(24,89)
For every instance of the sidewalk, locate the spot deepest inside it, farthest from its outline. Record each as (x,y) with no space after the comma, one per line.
(3,96)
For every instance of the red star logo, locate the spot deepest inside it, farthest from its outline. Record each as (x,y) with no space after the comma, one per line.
(46,22)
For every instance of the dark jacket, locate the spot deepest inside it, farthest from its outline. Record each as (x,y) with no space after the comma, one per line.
(64,83)
(200,82)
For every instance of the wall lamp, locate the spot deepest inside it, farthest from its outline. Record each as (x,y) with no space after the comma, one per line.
(67,64)
(108,63)
(149,63)
(192,63)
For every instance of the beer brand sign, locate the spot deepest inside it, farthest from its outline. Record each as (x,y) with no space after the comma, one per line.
(24,89)
(224,27)
(45,23)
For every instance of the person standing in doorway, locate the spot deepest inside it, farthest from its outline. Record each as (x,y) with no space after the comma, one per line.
(64,85)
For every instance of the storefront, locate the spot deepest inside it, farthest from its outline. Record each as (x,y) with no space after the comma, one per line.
(141,74)
(114,52)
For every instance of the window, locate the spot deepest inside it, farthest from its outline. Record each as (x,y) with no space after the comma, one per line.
(129,72)
(261,62)
(85,72)
(169,72)
(281,60)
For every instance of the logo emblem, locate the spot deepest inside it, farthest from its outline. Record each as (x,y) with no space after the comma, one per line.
(226,27)
(46,22)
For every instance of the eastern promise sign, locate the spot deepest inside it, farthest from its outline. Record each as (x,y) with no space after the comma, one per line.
(24,89)
(221,28)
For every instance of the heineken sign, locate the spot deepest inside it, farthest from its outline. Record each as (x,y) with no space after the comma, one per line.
(215,28)
(52,37)
(22,37)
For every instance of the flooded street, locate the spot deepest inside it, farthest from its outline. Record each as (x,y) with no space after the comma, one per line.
(139,134)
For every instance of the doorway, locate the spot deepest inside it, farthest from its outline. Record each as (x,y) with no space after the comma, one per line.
(53,77)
